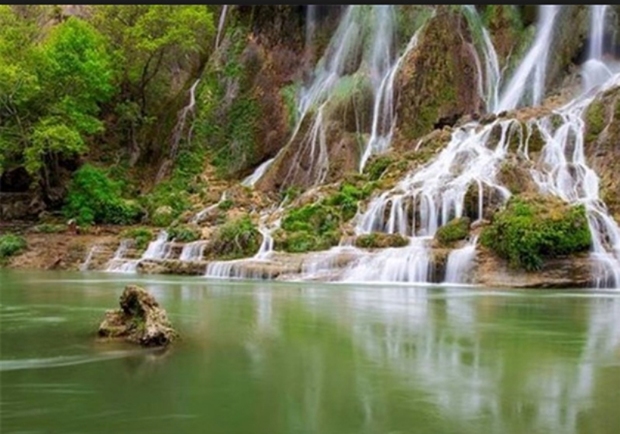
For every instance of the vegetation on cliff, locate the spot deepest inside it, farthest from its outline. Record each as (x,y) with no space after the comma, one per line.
(531,229)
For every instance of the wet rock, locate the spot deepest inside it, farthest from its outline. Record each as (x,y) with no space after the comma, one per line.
(140,320)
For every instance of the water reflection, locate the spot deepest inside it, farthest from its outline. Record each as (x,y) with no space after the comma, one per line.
(439,341)
(310,357)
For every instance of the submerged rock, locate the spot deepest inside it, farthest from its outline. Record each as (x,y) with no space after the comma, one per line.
(139,320)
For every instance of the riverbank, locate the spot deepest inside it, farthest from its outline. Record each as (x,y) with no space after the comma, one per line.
(94,249)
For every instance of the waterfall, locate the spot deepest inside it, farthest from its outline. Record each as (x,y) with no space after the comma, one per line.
(488,89)
(333,76)
(564,172)
(435,194)
(253,178)
(94,249)
(159,248)
(460,263)
(266,247)
(220,26)
(407,264)
(530,75)
(597,31)
(595,71)
(383,117)
(193,252)
(118,263)
(200,216)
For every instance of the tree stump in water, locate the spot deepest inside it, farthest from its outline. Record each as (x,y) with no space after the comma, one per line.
(139,320)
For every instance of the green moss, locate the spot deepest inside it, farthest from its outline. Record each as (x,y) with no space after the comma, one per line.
(380,240)
(235,239)
(377,165)
(595,120)
(289,96)
(225,205)
(11,244)
(184,233)
(531,229)
(141,236)
(455,230)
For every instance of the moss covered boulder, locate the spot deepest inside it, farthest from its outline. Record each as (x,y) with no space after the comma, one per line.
(437,81)
(455,230)
(533,229)
(139,320)
(380,240)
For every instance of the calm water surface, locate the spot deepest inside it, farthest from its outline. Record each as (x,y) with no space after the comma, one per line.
(261,357)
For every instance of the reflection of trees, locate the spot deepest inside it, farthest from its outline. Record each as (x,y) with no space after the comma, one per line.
(460,350)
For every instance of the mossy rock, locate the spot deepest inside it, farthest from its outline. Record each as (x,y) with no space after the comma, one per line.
(380,240)
(533,228)
(184,233)
(455,230)
(235,239)
(437,81)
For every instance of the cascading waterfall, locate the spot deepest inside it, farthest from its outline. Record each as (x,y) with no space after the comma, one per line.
(429,198)
(266,247)
(253,178)
(595,70)
(159,248)
(220,26)
(383,117)
(489,82)
(118,263)
(564,172)
(94,249)
(460,262)
(380,67)
(193,252)
(527,85)
(200,216)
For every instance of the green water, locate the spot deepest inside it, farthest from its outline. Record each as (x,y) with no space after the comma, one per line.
(260,357)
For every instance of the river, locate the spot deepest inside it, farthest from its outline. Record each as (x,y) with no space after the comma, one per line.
(282,357)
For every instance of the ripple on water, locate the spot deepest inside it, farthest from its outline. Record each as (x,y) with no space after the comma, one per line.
(55,362)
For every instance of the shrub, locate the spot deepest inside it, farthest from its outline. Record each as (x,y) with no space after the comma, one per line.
(95,198)
(142,236)
(376,166)
(455,230)
(225,205)
(184,233)
(380,240)
(11,244)
(529,230)
(236,239)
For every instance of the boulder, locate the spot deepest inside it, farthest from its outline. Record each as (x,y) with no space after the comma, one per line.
(139,320)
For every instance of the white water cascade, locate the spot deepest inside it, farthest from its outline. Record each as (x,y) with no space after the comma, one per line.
(220,25)
(120,264)
(94,249)
(193,252)
(332,77)
(460,263)
(159,248)
(595,71)
(383,116)
(489,82)
(527,85)
(200,216)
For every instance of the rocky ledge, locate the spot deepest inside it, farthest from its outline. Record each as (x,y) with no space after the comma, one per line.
(139,320)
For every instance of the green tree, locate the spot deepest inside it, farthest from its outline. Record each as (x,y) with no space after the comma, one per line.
(51,92)
(151,44)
